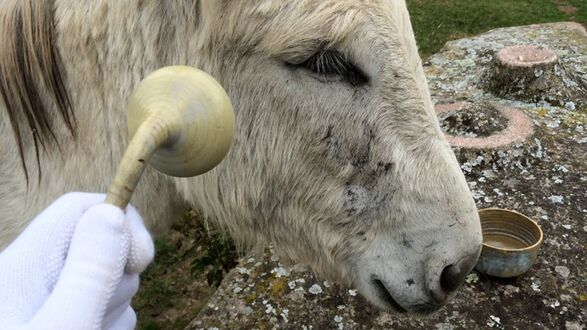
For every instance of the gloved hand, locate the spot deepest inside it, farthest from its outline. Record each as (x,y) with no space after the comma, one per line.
(76,266)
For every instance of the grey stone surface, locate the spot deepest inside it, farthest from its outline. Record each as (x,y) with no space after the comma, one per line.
(460,70)
(544,178)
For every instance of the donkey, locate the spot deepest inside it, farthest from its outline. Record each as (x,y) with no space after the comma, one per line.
(338,159)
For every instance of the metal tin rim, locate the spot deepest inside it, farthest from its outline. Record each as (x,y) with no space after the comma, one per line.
(531,247)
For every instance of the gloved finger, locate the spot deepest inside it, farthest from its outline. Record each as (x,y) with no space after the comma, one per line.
(45,242)
(94,266)
(115,316)
(142,249)
(126,321)
(126,289)
(73,203)
(62,214)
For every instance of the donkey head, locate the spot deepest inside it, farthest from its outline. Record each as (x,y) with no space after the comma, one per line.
(338,160)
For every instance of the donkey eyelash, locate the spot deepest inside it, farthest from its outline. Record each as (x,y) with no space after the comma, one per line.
(332,62)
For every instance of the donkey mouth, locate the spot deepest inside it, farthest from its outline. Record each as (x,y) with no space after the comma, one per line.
(386,296)
(425,309)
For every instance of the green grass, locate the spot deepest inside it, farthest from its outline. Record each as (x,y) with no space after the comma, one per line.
(437,21)
(581,14)
(190,262)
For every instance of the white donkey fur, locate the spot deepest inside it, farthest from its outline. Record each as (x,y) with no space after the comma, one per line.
(355,181)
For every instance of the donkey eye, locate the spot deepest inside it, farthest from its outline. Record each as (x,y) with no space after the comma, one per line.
(333,63)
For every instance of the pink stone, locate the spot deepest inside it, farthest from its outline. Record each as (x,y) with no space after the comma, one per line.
(527,56)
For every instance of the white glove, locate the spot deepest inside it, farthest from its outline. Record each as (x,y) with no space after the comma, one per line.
(76,266)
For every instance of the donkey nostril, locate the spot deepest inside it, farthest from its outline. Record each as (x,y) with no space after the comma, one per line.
(454,275)
(451,278)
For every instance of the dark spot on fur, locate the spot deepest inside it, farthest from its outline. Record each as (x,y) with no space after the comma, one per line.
(384,168)
(142,160)
(362,235)
(410,282)
(328,133)
(355,199)
(362,156)
(431,245)
(361,160)
(406,242)
(372,135)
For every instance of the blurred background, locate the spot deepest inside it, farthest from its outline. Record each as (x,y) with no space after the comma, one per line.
(437,21)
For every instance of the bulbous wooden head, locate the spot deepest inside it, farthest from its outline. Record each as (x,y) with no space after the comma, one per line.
(191,111)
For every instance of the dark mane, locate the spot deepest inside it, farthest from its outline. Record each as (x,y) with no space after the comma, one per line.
(31,83)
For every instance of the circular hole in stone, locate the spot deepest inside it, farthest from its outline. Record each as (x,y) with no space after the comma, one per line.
(473,120)
(483,125)
(526,55)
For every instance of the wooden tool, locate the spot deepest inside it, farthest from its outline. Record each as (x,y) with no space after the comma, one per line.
(181,121)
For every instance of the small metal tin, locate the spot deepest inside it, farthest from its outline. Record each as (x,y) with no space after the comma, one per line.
(511,242)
